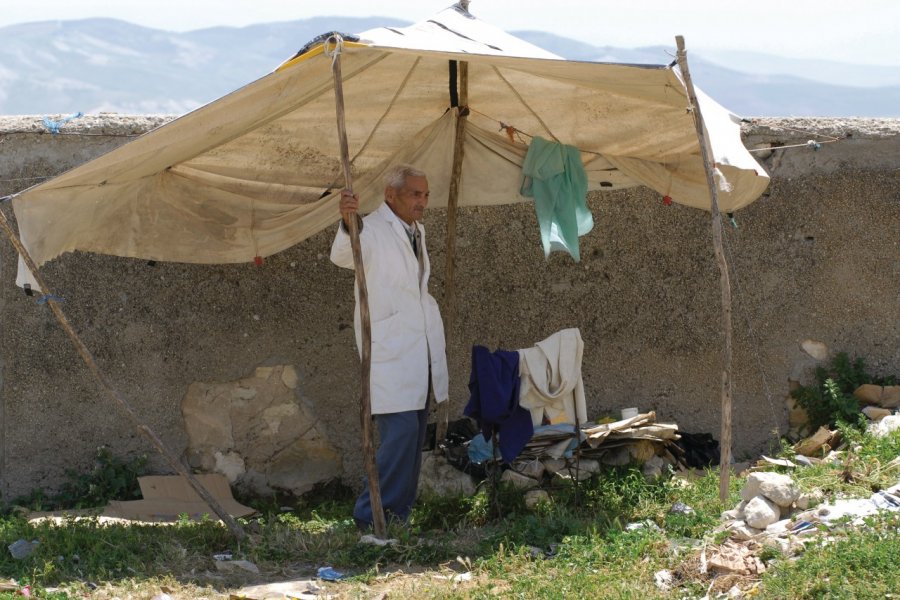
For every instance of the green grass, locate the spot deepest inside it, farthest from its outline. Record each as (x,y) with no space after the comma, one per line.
(577,545)
(858,563)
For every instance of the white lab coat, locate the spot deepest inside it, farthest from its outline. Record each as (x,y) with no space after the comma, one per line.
(407,330)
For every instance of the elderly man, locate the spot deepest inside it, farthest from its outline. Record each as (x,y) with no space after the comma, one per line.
(407,333)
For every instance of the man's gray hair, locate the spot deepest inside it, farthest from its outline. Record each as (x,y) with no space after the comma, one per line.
(396,175)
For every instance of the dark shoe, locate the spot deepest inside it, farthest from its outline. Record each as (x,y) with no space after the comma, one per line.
(362,526)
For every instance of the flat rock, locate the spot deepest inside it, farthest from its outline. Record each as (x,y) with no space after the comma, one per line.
(868,394)
(532,468)
(876,413)
(518,480)
(440,478)
(890,397)
(231,566)
(739,530)
(817,350)
(778,527)
(554,465)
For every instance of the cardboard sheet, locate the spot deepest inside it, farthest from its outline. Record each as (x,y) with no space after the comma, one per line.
(166,497)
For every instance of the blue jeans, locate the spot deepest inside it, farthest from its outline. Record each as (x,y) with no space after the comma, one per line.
(399,460)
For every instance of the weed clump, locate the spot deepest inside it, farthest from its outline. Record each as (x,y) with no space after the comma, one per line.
(830,400)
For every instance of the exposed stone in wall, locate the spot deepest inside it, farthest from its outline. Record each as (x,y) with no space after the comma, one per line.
(258,433)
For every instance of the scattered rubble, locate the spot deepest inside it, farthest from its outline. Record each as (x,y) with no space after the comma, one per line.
(773,511)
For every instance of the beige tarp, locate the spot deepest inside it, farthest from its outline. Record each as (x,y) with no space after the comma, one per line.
(256,171)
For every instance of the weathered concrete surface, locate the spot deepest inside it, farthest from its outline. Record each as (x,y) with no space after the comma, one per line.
(817,258)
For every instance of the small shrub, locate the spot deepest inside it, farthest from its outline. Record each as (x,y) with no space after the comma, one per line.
(110,478)
(831,400)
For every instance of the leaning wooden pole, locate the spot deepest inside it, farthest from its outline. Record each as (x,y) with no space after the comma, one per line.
(708,166)
(110,391)
(365,402)
(450,309)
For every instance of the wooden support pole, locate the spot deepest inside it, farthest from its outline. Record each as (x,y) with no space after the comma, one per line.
(706,153)
(111,392)
(452,204)
(365,403)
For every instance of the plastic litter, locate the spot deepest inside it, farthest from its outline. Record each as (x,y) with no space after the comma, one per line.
(638,525)
(680,508)
(802,526)
(329,574)
(373,540)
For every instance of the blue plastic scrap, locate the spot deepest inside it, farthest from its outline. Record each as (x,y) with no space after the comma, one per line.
(53,126)
(802,526)
(48,297)
(329,574)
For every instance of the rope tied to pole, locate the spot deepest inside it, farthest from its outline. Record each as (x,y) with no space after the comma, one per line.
(337,40)
(48,297)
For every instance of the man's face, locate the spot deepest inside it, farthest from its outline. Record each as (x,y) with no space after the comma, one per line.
(409,202)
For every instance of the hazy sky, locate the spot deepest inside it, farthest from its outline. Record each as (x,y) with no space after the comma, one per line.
(863,32)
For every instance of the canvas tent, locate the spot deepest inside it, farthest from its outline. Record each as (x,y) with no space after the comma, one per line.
(257,171)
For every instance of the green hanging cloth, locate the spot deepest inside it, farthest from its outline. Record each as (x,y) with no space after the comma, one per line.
(555,178)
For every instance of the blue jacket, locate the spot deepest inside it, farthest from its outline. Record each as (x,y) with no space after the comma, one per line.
(494,400)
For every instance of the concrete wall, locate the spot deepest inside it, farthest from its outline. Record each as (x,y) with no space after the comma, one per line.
(818,257)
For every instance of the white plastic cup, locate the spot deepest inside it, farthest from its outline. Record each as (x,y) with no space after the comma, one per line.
(629,413)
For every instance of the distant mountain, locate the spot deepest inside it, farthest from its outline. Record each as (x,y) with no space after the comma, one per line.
(823,71)
(765,85)
(96,65)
